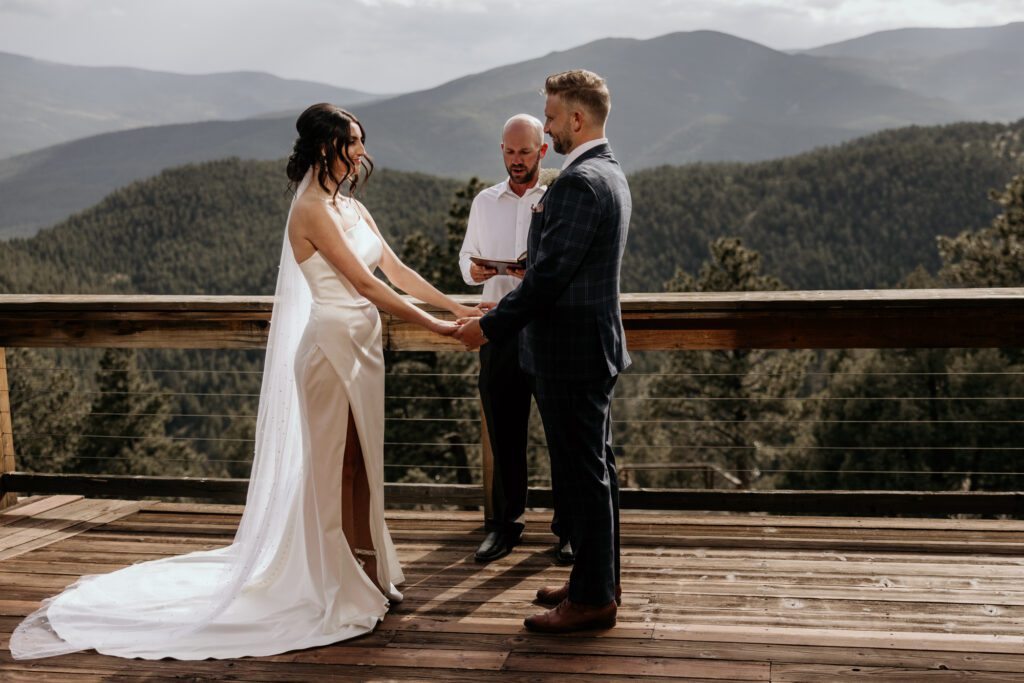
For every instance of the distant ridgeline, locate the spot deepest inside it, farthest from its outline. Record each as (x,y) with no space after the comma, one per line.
(864,214)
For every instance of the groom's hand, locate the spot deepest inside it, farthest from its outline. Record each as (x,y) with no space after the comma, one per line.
(470,334)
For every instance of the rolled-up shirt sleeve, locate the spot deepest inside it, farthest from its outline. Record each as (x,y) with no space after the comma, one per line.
(471,243)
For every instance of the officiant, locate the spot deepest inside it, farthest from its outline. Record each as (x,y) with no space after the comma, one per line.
(499,222)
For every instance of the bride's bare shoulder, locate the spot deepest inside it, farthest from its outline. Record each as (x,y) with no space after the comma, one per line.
(307,212)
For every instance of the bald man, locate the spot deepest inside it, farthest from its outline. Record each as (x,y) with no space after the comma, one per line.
(499,222)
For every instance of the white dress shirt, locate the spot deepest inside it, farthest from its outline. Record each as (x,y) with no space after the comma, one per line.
(498,228)
(578,152)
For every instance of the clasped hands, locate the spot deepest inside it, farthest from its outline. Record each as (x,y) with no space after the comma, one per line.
(468,331)
(467,327)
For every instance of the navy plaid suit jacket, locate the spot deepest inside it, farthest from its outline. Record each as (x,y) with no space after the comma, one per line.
(567,306)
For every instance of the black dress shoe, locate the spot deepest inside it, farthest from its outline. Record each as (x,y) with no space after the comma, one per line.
(564,553)
(497,545)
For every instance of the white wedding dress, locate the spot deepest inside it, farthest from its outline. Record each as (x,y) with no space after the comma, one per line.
(289,579)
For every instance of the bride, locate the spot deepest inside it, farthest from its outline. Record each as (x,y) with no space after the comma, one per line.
(312,561)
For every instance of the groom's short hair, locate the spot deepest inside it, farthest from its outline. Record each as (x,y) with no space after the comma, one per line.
(582,88)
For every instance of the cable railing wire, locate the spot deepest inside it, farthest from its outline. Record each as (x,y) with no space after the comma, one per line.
(616,423)
(634,446)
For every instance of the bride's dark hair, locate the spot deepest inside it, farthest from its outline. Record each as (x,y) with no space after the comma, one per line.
(325,132)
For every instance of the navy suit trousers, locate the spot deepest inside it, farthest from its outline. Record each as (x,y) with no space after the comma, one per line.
(584,481)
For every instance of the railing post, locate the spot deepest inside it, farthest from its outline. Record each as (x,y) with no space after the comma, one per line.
(487,461)
(709,478)
(6,431)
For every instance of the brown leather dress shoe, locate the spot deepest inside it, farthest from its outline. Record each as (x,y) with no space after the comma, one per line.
(552,595)
(572,616)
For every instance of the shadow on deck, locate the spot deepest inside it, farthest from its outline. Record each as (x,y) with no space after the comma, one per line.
(707,598)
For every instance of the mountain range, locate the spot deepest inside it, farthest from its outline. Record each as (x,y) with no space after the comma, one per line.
(682,97)
(45,103)
(974,68)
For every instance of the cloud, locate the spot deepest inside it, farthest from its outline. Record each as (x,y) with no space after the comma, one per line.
(26,7)
(470,6)
(399,45)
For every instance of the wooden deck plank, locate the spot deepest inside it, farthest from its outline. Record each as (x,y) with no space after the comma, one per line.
(792,654)
(33,505)
(832,637)
(956,592)
(522,589)
(820,673)
(941,545)
(72,523)
(682,519)
(17,608)
(23,527)
(707,598)
(677,669)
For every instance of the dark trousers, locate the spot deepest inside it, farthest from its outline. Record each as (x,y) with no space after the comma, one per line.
(505,392)
(584,482)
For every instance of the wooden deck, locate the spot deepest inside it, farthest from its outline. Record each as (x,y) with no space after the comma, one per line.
(707,598)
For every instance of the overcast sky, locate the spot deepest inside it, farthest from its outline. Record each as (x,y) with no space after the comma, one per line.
(388,46)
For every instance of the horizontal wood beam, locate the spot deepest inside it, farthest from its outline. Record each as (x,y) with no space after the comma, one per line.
(858,503)
(933,318)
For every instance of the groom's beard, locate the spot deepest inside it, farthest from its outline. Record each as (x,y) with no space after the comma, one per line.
(561,144)
(521,177)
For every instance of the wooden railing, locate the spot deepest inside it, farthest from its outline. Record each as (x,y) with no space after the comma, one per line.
(975,318)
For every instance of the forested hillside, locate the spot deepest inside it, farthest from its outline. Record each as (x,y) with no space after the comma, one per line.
(863,214)
(212,228)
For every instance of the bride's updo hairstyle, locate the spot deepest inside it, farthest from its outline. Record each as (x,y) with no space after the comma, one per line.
(325,132)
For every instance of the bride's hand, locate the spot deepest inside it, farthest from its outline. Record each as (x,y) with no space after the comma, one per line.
(468,311)
(445,328)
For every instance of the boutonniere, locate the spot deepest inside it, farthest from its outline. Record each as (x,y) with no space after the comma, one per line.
(537,208)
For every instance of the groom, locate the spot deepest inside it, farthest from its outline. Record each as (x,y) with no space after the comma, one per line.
(566,311)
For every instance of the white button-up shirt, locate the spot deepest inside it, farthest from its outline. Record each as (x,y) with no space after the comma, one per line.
(498,228)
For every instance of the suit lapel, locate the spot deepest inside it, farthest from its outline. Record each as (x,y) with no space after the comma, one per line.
(537,219)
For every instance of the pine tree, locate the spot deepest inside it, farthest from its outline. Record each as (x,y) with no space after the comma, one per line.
(125,431)
(932,440)
(731,408)
(894,419)
(47,410)
(439,263)
(992,256)
(441,374)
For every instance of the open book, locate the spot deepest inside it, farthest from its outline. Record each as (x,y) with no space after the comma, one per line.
(500,265)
